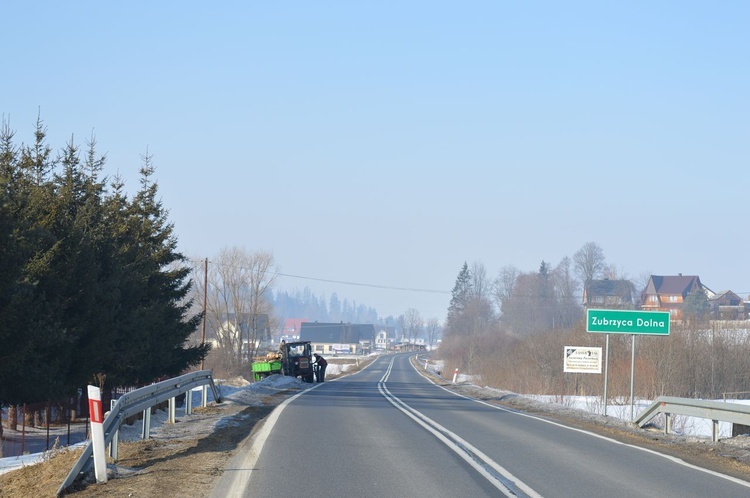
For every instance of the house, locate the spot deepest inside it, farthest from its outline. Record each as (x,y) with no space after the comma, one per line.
(609,294)
(244,331)
(291,329)
(384,337)
(668,293)
(726,305)
(335,338)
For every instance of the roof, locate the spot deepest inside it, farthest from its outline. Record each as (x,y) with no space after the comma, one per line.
(293,325)
(336,333)
(725,294)
(674,284)
(606,287)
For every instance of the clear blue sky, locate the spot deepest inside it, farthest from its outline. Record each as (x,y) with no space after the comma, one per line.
(388,142)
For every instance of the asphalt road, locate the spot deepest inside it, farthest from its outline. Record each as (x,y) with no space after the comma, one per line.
(388,431)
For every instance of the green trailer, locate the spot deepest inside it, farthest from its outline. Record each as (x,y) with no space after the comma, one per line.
(262,369)
(294,359)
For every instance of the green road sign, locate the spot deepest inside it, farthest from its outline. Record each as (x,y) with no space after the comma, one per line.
(627,322)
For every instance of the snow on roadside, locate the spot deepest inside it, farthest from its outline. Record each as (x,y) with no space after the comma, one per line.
(619,409)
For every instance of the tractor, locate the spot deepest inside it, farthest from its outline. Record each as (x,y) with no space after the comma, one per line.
(294,359)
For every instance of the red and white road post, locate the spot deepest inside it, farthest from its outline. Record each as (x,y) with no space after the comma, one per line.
(455,376)
(96,414)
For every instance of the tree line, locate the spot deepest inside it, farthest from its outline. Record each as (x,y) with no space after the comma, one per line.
(511,331)
(92,286)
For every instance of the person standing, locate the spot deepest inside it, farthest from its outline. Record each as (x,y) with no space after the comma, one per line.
(320,365)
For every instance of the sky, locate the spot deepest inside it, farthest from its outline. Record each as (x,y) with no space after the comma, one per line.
(387,143)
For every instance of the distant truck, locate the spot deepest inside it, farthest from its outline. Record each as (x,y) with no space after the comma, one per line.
(293,360)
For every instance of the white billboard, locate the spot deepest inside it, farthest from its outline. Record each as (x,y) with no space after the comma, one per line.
(582,359)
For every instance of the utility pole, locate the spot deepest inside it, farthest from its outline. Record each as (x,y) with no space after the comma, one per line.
(204,394)
(205,297)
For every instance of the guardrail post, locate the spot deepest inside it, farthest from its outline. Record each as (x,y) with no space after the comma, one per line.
(716,430)
(146,432)
(113,445)
(189,402)
(668,423)
(171,415)
(115,434)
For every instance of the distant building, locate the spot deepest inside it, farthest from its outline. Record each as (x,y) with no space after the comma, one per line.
(292,327)
(609,294)
(385,336)
(338,338)
(726,305)
(668,293)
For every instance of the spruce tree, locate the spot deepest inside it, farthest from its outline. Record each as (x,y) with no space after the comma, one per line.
(87,315)
(43,343)
(154,292)
(11,263)
(459,298)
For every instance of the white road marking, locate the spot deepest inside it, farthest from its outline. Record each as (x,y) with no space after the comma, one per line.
(593,434)
(502,479)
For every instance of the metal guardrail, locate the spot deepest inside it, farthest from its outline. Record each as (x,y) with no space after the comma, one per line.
(713,410)
(134,402)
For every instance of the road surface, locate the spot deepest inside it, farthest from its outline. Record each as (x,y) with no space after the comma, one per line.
(388,431)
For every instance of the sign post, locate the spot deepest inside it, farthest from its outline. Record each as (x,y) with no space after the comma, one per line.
(606,375)
(626,322)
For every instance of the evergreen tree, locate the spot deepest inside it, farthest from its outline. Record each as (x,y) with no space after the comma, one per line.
(90,282)
(459,298)
(545,304)
(156,324)
(42,342)
(84,269)
(11,263)
(696,305)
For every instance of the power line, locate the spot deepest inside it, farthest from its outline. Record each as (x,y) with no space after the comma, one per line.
(375,286)
(343,282)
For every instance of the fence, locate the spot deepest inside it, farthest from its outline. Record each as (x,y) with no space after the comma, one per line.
(36,427)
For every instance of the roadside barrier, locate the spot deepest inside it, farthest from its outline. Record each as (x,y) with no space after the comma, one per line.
(141,400)
(712,410)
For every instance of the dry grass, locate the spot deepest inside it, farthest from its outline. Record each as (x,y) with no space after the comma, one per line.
(39,480)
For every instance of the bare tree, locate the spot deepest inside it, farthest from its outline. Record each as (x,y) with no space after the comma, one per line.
(589,262)
(261,280)
(641,282)
(504,285)
(433,328)
(402,327)
(481,287)
(567,294)
(238,307)
(413,324)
